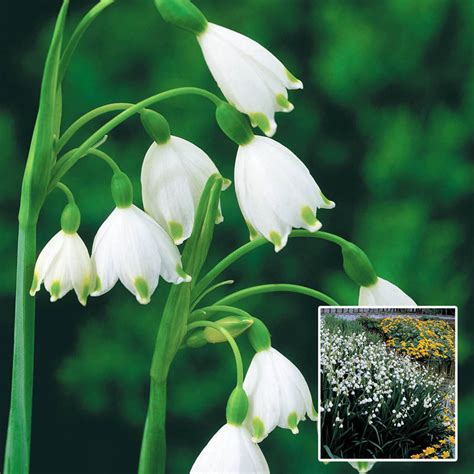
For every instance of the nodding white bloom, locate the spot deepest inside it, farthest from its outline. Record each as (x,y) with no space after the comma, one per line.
(173,178)
(62,265)
(132,247)
(362,466)
(381,293)
(250,77)
(278,395)
(276,191)
(231,451)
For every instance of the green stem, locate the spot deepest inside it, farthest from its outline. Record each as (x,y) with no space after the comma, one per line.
(128,110)
(248,247)
(235,348)
(67,192)
(103,156)
(85,119)
(19,429)
(204,312)
(81,28)
(210,290)
(277,287)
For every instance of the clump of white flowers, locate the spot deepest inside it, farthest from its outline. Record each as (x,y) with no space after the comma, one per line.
(373,394)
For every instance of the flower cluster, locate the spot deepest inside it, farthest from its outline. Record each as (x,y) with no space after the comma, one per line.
(421,339)
(377,395)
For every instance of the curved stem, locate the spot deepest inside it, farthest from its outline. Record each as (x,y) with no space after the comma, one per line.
(78,33)
(248,247)
(235,348)
(277,287)
(104,109)
(103,156)
(210,290)
(86,118)
(204,312)
(67,192)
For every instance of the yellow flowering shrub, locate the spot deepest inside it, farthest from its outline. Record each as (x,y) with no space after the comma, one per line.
(444,448)
(420,339)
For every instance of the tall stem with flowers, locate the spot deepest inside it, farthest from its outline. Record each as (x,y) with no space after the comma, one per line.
(181,189)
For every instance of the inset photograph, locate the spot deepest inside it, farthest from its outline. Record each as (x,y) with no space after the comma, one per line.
(388,383)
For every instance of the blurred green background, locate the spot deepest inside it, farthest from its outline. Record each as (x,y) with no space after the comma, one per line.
(385,123)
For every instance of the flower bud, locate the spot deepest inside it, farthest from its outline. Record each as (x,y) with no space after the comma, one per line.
(122,190)
(234,124)
(183,14)
(357,265)
(156,126)
(237,407)
(235,325)
(70,219)
(259,336)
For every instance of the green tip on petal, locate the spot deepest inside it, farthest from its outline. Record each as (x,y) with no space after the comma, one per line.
(97,286)
(252,232)
(55,291)
(309,218)
(329,204)
(315,413)
(84,293)
(34,284)
(293,422)
(258,430)
(275,239)
(284,103)
(176,231)
(260,120)
(182,273)
(143,292)
(294,80)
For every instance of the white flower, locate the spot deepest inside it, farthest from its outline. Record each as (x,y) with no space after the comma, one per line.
(382,293)
(64,264)
(362,466)
(231,451)
(250,77)
(278,395)
(132,247)
(276,191)
(173,177)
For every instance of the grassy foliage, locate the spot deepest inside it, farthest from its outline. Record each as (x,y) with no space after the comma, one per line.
(376,403)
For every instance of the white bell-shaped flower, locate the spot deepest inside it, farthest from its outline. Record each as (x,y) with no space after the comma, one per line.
(383,293)
(62,265)
(250,77)
(173,177)
(132,247)
(276,191)
(231,451)
(278,395)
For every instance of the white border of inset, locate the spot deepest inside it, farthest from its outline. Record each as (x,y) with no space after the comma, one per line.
(456,409)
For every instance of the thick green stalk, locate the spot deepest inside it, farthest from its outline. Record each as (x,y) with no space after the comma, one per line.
(19,429)
(172,330)
(33,192)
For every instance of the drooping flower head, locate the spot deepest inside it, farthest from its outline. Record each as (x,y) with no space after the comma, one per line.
(131,247)
(250,77)
(276,191)
(383,293)
(231,450)
(173,177)
(64,263)
(277,391)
